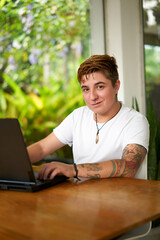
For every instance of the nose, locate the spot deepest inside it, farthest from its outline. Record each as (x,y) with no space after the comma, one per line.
(93,95)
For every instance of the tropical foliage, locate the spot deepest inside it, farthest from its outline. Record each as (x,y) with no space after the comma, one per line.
(152,61)
(152,69)
(154,142)
(39,39)
(42,44)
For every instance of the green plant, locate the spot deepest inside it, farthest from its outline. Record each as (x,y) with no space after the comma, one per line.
(42,38)
(39,113)
(39,40)
(154,141)
(135,104)
(152,156)
(158,149)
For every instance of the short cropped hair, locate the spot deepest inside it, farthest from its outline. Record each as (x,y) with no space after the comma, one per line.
(99,63)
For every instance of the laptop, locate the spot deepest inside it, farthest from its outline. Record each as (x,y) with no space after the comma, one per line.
(16,171)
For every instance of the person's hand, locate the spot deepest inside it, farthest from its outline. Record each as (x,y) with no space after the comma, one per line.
(50,170)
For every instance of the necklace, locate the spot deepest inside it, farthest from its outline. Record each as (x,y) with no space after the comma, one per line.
(98,129)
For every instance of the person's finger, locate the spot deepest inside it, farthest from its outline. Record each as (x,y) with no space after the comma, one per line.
(48,170)
(55,173)
(42,171)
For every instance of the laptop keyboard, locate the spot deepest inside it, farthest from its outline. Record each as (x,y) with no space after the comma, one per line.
(40,181)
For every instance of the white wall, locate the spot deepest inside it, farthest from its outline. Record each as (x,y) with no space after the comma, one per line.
(97,27)
(124,40)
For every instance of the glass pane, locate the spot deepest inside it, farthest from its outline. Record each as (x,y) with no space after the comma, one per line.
(151,10)
(42,44)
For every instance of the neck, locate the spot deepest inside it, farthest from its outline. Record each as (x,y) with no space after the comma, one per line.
(101,118)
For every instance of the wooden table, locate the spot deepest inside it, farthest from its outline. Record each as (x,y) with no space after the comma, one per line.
(88,210)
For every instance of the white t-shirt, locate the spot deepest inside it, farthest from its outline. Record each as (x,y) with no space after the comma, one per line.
(79,131)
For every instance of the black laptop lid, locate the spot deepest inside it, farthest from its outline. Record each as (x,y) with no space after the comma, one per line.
(14,160)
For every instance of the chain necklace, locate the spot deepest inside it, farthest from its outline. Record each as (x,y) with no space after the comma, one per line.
(98,129)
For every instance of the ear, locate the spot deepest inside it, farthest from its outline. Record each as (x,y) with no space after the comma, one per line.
(117,85)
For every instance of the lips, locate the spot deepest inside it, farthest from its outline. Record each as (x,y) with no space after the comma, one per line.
(96,104)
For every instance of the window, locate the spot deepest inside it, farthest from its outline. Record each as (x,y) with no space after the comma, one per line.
(42,44)
(151,13)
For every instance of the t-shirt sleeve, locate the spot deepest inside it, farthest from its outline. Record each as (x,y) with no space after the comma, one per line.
(64,132)
(137,132)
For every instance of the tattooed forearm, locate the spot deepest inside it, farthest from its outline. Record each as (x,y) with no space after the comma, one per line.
(92,170)
(94,167)
(94,176)
(127,166)
(114,169)
(118,167)
(134,155)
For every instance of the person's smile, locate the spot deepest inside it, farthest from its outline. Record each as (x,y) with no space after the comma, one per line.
(99,94)
(95,104)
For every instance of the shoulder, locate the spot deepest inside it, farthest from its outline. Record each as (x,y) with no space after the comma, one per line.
(135,127)
(130,120)
(83,109)
(77,115)
(131,114)
(81,117)
(81,112)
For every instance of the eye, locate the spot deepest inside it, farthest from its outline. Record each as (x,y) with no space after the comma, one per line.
(100,86)
(85,89)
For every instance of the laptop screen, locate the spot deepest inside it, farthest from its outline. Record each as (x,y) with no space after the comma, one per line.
(14,160)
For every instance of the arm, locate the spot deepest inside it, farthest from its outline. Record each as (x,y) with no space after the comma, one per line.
(44,147)
(133,156)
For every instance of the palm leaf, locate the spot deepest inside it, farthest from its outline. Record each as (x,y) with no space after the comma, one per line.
(158,149)
(135,104)
(152,156)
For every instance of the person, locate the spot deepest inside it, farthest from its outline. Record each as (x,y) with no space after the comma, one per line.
(107,138)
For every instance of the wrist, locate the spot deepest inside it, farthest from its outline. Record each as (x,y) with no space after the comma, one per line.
(76,171)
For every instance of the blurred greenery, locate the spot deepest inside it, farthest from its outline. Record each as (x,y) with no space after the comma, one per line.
(42,44)
(39,39)
(154,140)
(39,114)
(152,69)
(154,144)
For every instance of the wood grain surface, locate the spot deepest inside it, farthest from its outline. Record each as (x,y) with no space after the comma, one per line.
(86,210)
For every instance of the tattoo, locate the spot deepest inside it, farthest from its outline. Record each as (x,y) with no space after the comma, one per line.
(93,170)
(114,168)
(94,167)
(133,155)
(117,168)
(94,176)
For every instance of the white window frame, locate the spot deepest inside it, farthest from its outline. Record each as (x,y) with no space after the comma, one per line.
(117,29)
(97,20)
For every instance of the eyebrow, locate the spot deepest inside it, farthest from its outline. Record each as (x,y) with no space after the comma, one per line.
(98,83)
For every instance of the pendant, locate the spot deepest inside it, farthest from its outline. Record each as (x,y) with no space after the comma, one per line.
(97,138)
